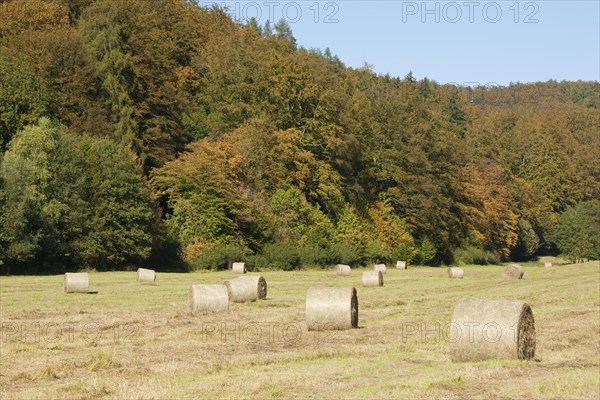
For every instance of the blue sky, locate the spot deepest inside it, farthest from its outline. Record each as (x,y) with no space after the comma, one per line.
(464,42)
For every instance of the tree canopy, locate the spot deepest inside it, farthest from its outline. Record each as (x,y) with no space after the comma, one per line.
(133,130)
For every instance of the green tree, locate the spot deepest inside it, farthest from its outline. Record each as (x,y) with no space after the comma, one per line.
(528,243)
(105,38)
(351,235)
(456,115)
(579,231)
(121,213)
(427,252)
(42,211)
(140,50)
(284,31)
(23,97)
(71,202)
(290,211)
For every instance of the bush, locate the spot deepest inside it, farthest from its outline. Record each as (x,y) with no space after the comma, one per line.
(343,253)
(315,255)
(220,256)
(475,255)
(278,255)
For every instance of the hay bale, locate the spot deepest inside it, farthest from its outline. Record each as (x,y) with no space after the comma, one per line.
(331,308)
(372,278)
(491,329)
(514,271)
(342,270)
(455,272)
(146,275)
(402,265)
(76,282)
(208,298)
(380,267)
(246,288)
(239,267)
(547,264)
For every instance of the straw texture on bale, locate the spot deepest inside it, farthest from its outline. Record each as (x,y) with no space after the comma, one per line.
(331,308)
(239,267)
(343,270)
(208,299)
(372,278)
(491,329)
(514,271)
(548,264)
(145,275)
(402,265)
(246,288)
(455,272)
(380,267)
(76,282)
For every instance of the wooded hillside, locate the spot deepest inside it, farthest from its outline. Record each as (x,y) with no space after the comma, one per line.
(158,132)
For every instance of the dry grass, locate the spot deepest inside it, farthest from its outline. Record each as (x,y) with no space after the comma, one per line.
(138,341)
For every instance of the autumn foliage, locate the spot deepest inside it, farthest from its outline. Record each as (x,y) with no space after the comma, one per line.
(230,142)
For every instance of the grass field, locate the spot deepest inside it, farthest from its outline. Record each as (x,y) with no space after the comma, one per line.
(132,340)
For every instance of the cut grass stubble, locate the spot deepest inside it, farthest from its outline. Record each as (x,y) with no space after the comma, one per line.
(142,342)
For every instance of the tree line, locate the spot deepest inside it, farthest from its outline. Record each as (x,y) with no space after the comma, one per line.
(160,132)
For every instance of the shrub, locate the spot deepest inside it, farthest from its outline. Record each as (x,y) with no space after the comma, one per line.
(278,255)
(344,253)
(315,255)
(475,255)
(220,256)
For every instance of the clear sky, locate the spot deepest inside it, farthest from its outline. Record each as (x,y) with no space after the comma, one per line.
(464,42)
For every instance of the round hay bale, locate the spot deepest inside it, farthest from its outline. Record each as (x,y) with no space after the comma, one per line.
(455,272)
(491,329)
(372,278)
(76,282)
(514,271)
(208,299)
(547,264)
(402,265)
(239,267)
(380,267)
(146,275)
(331,308)
(246,288)
(342,270)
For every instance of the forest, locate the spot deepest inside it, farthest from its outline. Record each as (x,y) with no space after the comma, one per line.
(162,133)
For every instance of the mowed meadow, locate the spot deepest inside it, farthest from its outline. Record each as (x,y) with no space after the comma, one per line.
(132,340)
